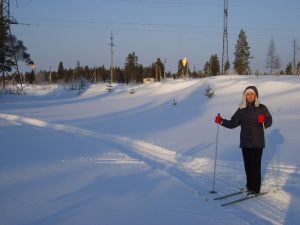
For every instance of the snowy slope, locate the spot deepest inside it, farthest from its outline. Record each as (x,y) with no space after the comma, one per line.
(115,158)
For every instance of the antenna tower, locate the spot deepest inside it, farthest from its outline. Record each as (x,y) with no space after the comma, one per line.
(8,61)
(225,57)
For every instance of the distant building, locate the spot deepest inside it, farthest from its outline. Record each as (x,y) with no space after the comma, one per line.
(148,80)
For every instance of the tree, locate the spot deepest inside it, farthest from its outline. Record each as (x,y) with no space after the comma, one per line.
(60,71)
(289,69)
(68,75)
(5,53)
(40,77)
(214,65)
(102,73)
(140,73)
(119,74)
(131,67)
(206,69)
(30,77)
(78,70)
(242,54)
(9,47)
(272,60)
(180,71)
(159,69)
(209,92)
(298,68)
(226,67)
(86,73)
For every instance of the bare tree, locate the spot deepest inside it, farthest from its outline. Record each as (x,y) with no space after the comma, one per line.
(272,59)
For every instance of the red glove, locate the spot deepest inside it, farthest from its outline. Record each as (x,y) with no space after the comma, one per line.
(218,119)
(261,118)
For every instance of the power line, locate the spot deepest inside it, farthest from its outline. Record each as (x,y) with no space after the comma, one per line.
(183,32)
(159,24)
(18,5)
(121,29)
(191,3)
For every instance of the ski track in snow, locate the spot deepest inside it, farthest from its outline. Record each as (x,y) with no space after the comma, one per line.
(154,156)
(193,172)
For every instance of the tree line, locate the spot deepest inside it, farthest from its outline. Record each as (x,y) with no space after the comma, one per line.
(132,71)
(135,72)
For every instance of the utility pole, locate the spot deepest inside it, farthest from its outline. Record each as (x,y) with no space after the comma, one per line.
(295,49)
(111,44)
(8,56)
(225,57)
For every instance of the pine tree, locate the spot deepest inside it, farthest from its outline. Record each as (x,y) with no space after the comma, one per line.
(272,60)
(68,75)
(60,71)
(289,69)
(6,45)
(209,92)
(214,65)
(159,69)
(242,54)
(140,73)
(5,53)
(180,71)
(30,77)
(131,67)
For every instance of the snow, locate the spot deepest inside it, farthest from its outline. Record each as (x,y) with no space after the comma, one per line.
(120,158)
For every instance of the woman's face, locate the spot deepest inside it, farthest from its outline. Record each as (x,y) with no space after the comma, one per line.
(250,97)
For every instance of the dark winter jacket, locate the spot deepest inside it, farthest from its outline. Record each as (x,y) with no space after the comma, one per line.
(252,133)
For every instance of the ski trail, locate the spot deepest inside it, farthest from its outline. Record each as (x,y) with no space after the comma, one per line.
(151,150)
(193,172)
(154,156)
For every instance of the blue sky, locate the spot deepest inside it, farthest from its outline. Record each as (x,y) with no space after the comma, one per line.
(71,30)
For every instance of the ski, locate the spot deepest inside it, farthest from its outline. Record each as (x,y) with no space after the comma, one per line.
(243,199)
(228,195)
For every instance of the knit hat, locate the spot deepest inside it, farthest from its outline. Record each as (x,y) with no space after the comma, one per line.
(253,88)
(244,101)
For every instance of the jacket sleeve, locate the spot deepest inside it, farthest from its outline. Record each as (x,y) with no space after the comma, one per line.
(268,120)
(234,122)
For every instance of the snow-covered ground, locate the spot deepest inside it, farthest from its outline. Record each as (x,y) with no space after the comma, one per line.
(119,158)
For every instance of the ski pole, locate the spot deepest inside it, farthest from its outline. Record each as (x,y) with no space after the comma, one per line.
(270,154)
(215,165)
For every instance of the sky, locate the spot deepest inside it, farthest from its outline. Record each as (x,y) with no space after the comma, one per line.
(71,30)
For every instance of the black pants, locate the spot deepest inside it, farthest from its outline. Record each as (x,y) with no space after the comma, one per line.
(252,163)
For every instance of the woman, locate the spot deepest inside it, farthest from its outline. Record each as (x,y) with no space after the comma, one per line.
(250,116)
